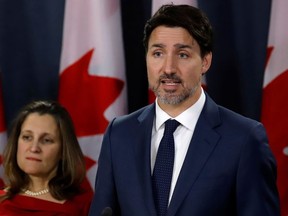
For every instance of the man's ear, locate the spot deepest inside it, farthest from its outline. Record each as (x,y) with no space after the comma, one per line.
(206,62)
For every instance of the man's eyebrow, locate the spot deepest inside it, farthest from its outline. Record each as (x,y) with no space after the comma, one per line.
(158,45)
(183,46)
(178,46)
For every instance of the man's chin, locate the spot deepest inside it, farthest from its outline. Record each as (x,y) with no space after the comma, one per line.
(170,99)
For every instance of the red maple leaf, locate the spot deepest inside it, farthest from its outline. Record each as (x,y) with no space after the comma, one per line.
(151,96)
(275,119)
(86,97)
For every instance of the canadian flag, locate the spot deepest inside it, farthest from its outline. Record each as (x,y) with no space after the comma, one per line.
(156,4)
(275,94)
(92,79)
(3,138)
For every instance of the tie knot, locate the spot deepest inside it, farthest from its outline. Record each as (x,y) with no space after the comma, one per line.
(171,125)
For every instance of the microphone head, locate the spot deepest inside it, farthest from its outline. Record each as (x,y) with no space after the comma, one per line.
(107,211)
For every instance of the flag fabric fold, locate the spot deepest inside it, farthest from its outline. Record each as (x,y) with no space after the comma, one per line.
(92,72)
(275,93)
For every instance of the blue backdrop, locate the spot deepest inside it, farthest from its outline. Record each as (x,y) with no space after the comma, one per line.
(30,48)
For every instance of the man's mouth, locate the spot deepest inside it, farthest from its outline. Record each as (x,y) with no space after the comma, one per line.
(170,82)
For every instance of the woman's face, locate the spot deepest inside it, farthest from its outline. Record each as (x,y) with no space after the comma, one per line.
(39,146)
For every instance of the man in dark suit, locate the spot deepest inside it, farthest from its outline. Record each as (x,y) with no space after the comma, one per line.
(223,165)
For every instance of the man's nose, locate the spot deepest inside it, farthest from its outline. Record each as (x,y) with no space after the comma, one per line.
(170,64)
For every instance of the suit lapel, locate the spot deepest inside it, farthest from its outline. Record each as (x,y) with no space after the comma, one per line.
(143,155)
(201,147)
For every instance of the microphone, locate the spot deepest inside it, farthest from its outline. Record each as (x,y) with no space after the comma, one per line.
(107,211)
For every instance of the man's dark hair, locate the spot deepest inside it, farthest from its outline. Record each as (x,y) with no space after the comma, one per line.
(188,17)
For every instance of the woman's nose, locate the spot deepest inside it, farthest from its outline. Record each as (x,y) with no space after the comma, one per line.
(35,147)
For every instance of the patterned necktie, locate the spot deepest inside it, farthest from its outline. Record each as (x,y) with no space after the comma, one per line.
(163,169)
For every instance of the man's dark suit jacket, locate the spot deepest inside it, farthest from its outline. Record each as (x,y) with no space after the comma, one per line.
(229,169)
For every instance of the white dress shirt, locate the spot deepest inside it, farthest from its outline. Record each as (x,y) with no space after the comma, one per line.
(182,135)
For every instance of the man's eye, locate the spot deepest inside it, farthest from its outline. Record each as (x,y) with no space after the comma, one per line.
(183,55)
(157,54)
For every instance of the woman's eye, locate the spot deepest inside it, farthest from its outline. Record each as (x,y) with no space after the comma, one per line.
(46,140)
(26,137)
